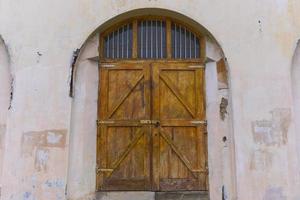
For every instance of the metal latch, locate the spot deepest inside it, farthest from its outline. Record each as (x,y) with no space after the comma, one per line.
(151,122)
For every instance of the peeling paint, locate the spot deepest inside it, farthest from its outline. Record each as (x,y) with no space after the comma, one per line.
(41,158)
(223,108)
(274,193)
(274,131)
(222,74)
(48,138)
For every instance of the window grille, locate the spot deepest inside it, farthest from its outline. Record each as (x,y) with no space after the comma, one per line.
(152,39)
(118,44)
(185,44)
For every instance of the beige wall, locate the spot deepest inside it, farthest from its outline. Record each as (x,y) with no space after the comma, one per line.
(257,37)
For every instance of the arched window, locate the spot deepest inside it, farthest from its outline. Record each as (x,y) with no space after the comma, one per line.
(151,38)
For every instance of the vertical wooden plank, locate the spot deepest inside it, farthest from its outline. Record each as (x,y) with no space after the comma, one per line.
(147,128)
(155,130)
(135,39)
(169,38)
(200,100)
(102,105)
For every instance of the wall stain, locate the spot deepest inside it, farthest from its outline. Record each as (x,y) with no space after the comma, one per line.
(39,143)
(223,108)
(47,138)
(41,159)
(55,183)
(2,133)
(261,160)
(274,131)
(222,74)
(274,193)
(28,196)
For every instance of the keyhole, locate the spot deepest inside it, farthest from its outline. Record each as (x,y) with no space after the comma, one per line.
(157,124)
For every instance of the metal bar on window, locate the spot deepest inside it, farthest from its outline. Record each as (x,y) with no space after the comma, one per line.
(161,39)
(146,39)
(184,42)
(190,44)
(156,40)
(118,43)
(142,39)
(180,42)
(127,41)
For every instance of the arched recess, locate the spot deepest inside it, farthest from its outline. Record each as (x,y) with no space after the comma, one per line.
(296,90)
(83,137)
(5,97)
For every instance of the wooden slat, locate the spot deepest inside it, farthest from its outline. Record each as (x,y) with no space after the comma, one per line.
(134,39)
(169,39)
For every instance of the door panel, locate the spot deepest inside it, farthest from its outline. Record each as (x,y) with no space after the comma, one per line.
(151,134)
(179,106)
(124,143)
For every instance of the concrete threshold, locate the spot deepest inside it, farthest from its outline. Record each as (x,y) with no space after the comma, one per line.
(193,195)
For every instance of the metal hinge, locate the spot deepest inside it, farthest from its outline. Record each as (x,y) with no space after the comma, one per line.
(199,122)
(99,169)
(108,65)
(196,66)
(104,122)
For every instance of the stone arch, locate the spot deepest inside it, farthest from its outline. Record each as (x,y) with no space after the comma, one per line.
(296,90)
(5,97)
(82,153)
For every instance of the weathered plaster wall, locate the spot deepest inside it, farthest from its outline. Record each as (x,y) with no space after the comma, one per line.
(296,91)
(5,96)
(257,37)
(82,152)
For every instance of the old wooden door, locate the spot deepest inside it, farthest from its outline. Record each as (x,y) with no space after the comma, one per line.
(124,143)
(179,141)
(152,134)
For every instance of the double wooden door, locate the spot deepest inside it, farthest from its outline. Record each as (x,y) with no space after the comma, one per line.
(151,127)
